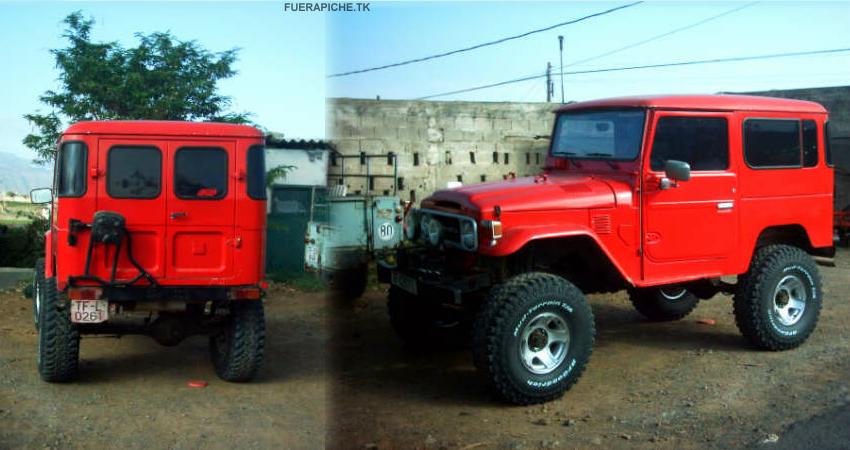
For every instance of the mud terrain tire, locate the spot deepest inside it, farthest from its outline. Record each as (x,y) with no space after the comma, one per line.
(58,338)
(422,324)
(779,277)
(661,304)
(237,350)
(525,317)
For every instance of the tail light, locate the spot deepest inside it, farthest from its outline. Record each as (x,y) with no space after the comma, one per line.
(491,231)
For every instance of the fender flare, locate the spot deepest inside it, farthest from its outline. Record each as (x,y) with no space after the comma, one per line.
(515,243)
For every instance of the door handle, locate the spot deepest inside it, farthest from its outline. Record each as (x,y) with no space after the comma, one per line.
(179,214)
(725,205)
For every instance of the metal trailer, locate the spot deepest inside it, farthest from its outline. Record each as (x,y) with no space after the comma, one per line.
(360,228)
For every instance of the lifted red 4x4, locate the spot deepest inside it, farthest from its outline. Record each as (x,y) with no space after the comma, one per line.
(662,196)
(157,228)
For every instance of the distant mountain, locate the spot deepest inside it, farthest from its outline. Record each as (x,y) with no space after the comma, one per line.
(20,175)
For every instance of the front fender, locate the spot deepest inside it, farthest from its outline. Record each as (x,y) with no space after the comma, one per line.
(515,239)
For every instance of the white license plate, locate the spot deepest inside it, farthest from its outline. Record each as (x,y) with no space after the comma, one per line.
(405,282)
(89,311)
(312,258)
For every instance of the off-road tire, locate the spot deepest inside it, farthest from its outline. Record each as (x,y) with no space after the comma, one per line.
(496,340)
(58,338)
(37,288)
(660,306)
(754,299)
(423,324)
(237,349)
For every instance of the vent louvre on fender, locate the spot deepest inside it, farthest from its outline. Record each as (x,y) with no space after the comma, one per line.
(601,224)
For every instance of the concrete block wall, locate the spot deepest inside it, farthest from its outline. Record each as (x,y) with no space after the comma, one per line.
(438,141)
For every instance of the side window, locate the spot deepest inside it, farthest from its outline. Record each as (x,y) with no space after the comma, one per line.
(772,143)
(810,143)
(200,173)
(827,144)
(257,172)
(71,169)
(702,142)
(134,172)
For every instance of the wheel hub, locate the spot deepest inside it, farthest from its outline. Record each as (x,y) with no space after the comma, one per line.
(673,293)
(789,300)
(544,343)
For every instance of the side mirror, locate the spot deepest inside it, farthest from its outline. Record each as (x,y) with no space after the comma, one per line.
(677,170)
(41,195)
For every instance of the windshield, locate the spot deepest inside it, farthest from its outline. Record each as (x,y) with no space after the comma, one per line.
(610,134)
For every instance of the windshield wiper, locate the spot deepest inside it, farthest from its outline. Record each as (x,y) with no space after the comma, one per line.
(607,157)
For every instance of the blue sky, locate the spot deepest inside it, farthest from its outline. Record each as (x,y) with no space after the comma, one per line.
(286,55)
(281,65)
(392,32)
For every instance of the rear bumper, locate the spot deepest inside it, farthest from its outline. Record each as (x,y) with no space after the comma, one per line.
(194,294)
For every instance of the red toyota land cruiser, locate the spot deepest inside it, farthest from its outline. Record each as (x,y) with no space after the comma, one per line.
(156,228)
(661,196)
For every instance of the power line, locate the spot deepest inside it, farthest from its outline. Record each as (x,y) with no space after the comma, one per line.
(485,44)
(647,66)
(662,35)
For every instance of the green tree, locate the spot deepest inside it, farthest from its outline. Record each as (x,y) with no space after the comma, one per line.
(162,78)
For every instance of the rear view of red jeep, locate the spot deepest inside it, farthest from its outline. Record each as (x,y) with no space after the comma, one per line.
(156,228)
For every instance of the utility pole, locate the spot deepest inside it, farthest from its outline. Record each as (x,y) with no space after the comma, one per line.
(549,82)
(561,45)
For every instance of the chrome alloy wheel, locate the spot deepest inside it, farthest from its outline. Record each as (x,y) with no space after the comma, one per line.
(789,300)
(673,293)
(544,343)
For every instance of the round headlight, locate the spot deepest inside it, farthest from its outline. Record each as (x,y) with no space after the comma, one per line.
(411,224)
(433,231)
(467,235)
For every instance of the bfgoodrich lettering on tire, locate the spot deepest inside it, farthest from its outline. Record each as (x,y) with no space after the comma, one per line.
(779,299)
(533,337)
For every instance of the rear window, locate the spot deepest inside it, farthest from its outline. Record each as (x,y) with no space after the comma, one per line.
(772,143)
(71,169)
(702,142)
(200,173)
(257,172)
(134,172)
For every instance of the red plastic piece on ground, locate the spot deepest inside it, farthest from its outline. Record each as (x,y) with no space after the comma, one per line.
(198,384)
(707,321)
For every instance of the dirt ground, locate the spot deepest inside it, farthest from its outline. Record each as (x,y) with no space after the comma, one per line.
(679,385)
(339,378)
(133,393)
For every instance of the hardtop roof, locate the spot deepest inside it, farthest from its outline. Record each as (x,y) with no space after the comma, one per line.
(163,128)
(716,102)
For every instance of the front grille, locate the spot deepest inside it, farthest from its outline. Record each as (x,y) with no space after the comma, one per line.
(451,224)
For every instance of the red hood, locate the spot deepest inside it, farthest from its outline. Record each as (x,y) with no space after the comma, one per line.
(557,191)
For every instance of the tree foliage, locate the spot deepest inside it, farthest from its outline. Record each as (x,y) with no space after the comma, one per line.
(162,78)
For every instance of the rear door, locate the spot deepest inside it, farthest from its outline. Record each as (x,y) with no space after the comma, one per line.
(200,204)
(130,181)
(692,227)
